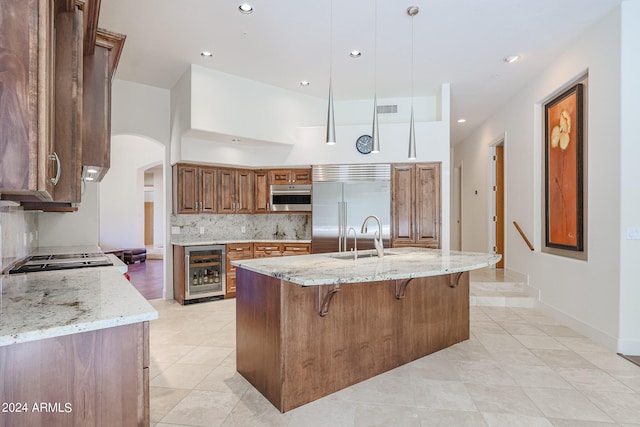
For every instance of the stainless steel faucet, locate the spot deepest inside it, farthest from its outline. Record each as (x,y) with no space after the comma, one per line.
(355,242)
(377,237)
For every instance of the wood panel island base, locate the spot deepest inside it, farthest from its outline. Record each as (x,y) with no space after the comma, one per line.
(297,343)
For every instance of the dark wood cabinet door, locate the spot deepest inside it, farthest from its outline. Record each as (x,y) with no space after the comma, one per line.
(186,189)
(261,191)
(208,190)
(402,204)
(235,251)
(68,105)
(428,204)
(226,191)
(26,102)
(244,191)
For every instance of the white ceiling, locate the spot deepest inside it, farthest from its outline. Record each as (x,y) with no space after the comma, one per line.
(461,42)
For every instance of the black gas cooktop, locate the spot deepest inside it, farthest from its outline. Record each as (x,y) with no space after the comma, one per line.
(60,262)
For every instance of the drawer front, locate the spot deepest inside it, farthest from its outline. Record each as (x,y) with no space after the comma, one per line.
(265,250)
(240,250)
(296,249)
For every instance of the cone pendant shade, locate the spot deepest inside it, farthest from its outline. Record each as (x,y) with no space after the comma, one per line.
(412,138)
(331,125)
(375,137)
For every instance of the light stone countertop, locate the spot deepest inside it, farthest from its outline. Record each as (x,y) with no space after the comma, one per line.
(228,242)
(35,306)
(398,263)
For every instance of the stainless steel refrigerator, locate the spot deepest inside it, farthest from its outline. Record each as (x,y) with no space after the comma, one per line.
(342,197)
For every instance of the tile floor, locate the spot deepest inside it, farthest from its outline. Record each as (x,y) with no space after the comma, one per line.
(519,368)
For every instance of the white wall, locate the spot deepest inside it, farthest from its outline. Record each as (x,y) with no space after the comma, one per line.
(122,191)
(629,179)
(583,294)
(78,228)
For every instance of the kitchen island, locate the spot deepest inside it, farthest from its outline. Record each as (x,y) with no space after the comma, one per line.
(310,325)
(74,349)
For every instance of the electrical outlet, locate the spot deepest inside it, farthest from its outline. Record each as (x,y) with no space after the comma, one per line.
(175,230)
(243,229)
(201,230)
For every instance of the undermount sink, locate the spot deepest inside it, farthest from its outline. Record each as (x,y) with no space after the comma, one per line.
(361,254)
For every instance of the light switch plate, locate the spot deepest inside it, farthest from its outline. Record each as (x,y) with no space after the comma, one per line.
(633,233)
(201,230)
(175,230)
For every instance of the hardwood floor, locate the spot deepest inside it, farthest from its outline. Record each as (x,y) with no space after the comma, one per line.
(147,277)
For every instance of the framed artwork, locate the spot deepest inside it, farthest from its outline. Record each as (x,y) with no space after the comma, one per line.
(564,172)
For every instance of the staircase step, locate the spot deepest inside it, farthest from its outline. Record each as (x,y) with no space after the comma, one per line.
(489,287)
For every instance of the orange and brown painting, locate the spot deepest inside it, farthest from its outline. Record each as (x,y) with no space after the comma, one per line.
(563,169)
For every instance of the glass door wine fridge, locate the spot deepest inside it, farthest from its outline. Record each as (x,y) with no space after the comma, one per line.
(204,272)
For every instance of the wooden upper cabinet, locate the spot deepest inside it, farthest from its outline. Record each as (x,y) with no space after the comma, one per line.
(68,104)
(415,205)
(428,205)
(26,99)
(194,189)
(98,72)
(261,191)
(290,176)
(402,198)
(235,191)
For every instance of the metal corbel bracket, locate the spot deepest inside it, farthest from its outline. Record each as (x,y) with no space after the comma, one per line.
(455,280)
(325,301)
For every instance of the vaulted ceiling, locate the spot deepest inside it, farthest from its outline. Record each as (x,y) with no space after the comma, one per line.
(461,42)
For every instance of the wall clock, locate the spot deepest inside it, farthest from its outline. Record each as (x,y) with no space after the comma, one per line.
(364,144)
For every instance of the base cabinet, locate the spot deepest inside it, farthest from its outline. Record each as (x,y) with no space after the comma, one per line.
(96,378)
(236,251)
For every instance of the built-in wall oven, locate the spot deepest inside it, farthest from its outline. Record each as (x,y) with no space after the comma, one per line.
(205,275)
(293,197)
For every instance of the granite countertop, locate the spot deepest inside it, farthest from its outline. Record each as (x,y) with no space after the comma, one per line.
(398,263)
(227,242)
(35,306)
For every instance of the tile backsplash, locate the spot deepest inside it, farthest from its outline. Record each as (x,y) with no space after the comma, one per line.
(18,234)
(241,227)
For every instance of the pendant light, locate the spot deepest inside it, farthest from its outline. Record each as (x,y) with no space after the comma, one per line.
(331,125)
(412,11)
(375,134)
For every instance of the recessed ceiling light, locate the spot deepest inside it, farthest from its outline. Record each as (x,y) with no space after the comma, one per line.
(206,53)
(511,59)
(245,8)
(355,54)
(462,120)
(304,83)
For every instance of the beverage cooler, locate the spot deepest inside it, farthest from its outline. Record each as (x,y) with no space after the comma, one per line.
(204,271)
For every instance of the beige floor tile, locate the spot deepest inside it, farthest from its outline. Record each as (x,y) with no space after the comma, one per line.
(206,355)
(168,353)
(202,408)
(536,376)
(386,415)
(254,410)
(622,407)
(565,404)
(447,395)
(440,418)
(522,329)
(382,389)
(576,423)
(224,379)
(162,400)
(592,380)
(502,399)
(610,361)
(539,342)
(511,420)
(562,359)
(180,375)
(482,372)
(324,412)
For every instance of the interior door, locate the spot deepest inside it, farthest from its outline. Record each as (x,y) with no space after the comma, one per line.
(499,220)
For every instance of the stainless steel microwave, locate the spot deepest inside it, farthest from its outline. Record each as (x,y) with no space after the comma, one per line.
(294,198)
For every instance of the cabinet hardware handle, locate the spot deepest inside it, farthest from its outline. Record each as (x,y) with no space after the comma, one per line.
(54,157)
